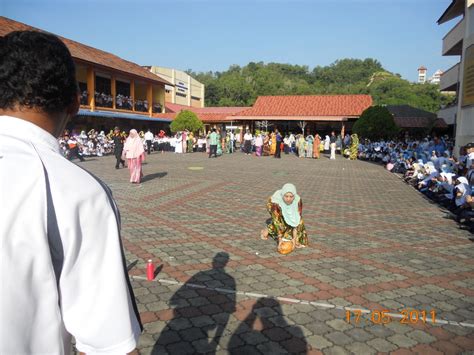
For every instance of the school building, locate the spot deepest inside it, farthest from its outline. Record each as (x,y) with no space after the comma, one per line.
(186,91)
(113,91)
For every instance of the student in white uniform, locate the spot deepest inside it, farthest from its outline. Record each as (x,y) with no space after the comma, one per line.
(62,265)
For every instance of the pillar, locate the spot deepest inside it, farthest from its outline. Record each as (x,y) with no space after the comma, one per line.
(189,90)
(149,98)
(91,88)
(173,90)
(202,95)
(113,91)
(132,93)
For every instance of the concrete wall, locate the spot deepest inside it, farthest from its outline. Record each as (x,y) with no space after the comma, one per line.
(187,91)
(465,115)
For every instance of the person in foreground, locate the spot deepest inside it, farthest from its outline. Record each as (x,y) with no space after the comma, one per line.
(135,154)
(63,267)
(287,226)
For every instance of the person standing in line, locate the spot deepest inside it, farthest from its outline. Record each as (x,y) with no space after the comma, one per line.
(232,139)
(213,140)
(316,146)
(223,135)
(301,146)
(118,148)
(278,139)
(258,145)
(332,141)
(248,142)
(309,145)
(184,141)
(273,143)
(135,155)
(149,141)
(63,272)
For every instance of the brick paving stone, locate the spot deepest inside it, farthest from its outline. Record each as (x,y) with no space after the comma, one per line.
(338,324)
(318,342)
(180,348)
(301,318)
(339,338)
(335,350)
(446,347)
(402,340)
(191,334)
(360,348)
(271,348)
(411,258)
(359,334)
(421,336)
(253,338)
(382,345)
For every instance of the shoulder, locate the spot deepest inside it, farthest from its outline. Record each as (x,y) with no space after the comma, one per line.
(71,181)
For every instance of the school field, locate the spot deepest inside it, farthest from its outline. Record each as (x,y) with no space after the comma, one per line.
(378,250)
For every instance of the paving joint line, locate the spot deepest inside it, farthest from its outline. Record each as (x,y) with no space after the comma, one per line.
(298,301)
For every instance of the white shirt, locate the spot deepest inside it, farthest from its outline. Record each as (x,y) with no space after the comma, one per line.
(44,196)
(149,136)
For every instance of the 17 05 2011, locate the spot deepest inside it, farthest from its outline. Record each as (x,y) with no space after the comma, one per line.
(405,316)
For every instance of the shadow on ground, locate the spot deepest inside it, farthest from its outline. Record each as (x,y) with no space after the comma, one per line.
(202,309)
(153,176)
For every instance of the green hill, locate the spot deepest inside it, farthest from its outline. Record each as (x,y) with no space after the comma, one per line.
(240,86)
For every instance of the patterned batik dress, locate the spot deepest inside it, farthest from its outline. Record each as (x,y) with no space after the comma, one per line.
(279,228)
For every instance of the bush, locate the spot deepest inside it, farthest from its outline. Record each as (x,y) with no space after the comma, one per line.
(186,120)
(376,123)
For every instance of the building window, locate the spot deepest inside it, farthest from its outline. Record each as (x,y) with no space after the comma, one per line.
(180,94)
(196,98)
(123,100)
(84,93)
(103,97)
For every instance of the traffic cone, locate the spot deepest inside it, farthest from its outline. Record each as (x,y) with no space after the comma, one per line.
(150,270)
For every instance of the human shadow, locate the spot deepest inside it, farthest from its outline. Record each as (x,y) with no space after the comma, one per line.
(265,330)
(153,176)
(203,306)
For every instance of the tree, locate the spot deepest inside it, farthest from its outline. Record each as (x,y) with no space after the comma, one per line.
(376,123)
(240,86)
(186,120)
(302,125)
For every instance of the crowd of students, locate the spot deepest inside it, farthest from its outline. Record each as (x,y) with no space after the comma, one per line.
(427,164)
(122,102)
(430,166)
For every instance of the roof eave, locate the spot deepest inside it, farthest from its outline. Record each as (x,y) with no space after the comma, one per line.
(455,9)
(125,74)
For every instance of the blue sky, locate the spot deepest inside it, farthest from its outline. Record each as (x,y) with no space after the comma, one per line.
(213,34)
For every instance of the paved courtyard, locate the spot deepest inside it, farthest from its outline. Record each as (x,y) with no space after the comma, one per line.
(375,244)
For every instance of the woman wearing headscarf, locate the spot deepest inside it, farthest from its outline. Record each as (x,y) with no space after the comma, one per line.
(274,143)
(309,146)
(135,154)
(354,149)
(258,145)
(285,207)
(301,146)
(461,191)
(266,145)
(327,142)
(316,144)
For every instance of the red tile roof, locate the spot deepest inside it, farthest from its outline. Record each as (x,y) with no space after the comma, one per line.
(88,54)
(209,110)
(208,114)
(310,105)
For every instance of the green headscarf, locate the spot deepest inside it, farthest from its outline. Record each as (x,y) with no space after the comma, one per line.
(291,214)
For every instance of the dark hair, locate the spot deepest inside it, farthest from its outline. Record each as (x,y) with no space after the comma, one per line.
(36,71)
